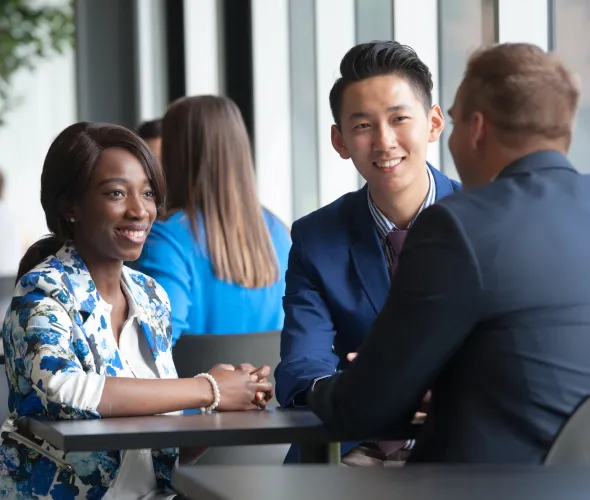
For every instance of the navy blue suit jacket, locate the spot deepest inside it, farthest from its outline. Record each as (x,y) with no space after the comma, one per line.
(337,281)
(489,308)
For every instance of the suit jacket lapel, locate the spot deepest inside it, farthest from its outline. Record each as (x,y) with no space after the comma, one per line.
(80,285)
(367,254)
(444,186)
(106,354)
(152,326)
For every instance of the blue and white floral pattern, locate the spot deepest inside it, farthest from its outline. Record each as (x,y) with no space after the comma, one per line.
(53,327)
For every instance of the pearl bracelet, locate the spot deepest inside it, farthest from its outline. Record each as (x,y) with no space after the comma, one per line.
(216,394)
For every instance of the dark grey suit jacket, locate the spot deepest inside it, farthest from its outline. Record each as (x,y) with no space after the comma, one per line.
(491,307)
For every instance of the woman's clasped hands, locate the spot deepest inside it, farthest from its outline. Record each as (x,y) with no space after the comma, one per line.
(242,387)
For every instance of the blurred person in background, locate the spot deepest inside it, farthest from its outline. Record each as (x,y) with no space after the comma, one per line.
(220,256)
(151,133)
(11,247)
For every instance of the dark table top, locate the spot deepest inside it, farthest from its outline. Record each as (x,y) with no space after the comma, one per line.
(274,426)
(298,482)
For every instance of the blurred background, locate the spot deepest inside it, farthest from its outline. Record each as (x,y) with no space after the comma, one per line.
(124,61)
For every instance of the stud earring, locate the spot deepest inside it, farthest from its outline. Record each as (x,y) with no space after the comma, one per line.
(72,219)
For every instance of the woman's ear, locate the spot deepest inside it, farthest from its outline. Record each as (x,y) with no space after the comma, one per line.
(68,211)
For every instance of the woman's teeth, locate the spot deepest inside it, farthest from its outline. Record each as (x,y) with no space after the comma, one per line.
(133,234)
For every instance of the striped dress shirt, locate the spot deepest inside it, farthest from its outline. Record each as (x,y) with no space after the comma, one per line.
(384,225)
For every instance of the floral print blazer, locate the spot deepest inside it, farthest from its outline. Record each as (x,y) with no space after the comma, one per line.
(59,350)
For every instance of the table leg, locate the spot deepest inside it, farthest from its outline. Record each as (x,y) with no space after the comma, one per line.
(335,453)
(320,453)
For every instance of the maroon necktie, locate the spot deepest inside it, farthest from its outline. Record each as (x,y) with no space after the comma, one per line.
(395,240)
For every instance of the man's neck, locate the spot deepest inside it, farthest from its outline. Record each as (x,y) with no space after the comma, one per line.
(402,206)
(504,157)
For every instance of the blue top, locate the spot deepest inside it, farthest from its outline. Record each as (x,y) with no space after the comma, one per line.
(201,302)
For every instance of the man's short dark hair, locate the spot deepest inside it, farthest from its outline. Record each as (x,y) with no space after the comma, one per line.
(377,58)
(150,130)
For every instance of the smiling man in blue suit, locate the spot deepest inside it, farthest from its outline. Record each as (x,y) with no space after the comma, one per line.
(490,304)
(344,254)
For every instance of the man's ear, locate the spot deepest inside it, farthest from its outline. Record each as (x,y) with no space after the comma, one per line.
(477,130)
(437,123)
(338,143)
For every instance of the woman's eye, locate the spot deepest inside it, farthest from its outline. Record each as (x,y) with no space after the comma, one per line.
(117,193)
(150,194)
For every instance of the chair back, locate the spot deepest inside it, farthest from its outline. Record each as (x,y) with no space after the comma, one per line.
(6,285)
(572,445)
(3,393)
(194,354)
(6,291)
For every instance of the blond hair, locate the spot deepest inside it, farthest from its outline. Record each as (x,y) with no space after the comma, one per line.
(207,158)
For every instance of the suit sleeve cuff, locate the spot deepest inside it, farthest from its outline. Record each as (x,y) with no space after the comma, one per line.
(315,384)
(300,399)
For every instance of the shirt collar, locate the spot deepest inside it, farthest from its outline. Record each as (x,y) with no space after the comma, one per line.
(384,225)
(134,310)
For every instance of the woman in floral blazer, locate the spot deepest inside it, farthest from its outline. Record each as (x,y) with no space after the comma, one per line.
(101,190)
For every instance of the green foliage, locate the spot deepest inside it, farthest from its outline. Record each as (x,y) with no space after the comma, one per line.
(29,31)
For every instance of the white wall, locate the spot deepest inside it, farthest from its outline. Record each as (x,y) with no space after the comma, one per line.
(335,35)
(47,106)
(151,61)
(202,47)
(523,21)
(572,44)
(407,17)
(272,110)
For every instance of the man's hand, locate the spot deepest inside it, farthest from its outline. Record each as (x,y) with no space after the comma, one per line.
(351,356)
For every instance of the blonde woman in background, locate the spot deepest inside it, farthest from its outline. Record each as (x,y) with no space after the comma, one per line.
(220,256)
